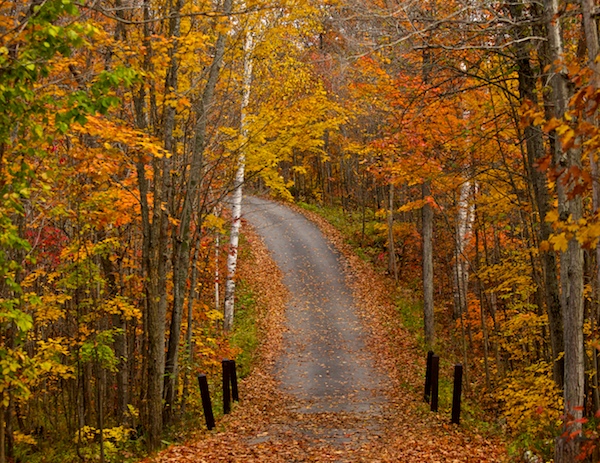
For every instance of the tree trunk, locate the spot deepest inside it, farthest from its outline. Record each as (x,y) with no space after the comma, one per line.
(182,240)
(193,295)
(154,249)
(392,267)
(428,314)
(464,223)
(2,430)
(591,37)
(571,260)
(236,215)
(180,261)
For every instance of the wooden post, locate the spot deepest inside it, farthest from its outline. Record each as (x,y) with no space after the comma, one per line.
(234,384)
(458,372)
(226,388)
(435,375)
(206,404)
(428,377)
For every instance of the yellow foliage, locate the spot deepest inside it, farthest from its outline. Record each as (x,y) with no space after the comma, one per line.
(217,223)
(530,400)
(51,307)
(214,315)
(112,132)
(585,230)
(510,278)
(49,356)
(121,306)
(520,333)
(134,412)
(117,434)
(21,438)
(412,205)
(559,242)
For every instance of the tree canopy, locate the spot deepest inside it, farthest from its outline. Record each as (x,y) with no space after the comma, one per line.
(461,137)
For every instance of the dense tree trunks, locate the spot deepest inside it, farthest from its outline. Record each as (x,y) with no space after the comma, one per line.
(145,121)
(428,106)
(192,194)
(535,151)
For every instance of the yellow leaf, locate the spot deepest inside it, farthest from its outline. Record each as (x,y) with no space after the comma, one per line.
(559,242)
(552,216)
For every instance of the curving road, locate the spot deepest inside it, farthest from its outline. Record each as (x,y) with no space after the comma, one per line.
(325,366)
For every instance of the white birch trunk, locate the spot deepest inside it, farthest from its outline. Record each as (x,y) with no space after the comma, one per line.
(464,224)
(237,190)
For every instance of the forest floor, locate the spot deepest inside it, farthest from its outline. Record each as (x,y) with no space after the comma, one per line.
(272,425)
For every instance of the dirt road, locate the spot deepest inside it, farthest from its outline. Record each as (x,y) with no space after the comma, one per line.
(325,365)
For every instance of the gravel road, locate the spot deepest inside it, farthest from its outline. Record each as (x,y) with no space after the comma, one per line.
(325,365)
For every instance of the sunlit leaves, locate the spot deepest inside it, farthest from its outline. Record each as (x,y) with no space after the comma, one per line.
(531,401)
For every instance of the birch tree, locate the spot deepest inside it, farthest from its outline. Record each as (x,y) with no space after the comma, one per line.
(237,194)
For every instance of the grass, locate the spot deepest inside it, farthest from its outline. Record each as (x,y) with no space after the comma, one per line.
(245,334)
(367,246)
(411,316)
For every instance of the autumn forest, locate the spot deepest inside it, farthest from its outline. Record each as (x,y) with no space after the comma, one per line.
(455,143)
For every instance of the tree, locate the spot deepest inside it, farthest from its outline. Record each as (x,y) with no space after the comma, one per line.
(182,253)
(236,201)
(571,268)
(35,38)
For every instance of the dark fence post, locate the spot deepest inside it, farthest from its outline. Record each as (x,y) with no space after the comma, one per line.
(234,384)
(226,389)
(458,372)
(435,375)
(206,405)
(428,377)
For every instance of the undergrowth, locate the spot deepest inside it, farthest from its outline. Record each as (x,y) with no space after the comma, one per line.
(126,445)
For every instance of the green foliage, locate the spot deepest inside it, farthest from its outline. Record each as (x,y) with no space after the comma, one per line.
(98,349)
(368,245)
(411,316)
(245,336)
